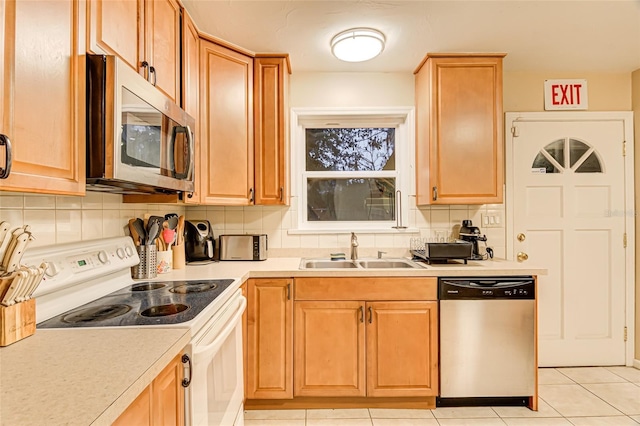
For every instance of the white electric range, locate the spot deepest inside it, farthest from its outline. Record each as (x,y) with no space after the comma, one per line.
(89,284)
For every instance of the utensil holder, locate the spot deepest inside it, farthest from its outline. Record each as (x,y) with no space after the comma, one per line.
(165,261)
(17,321)
(178,256)
(148,266)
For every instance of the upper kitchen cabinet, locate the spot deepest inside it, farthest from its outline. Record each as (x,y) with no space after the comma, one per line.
(144,33)
(43,88)
(459,146)
(190,88)
(226,126)
(271,83)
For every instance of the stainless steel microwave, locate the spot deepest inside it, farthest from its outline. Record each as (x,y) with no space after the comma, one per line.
(138,140)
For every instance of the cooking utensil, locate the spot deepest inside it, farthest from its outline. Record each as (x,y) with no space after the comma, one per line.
(152,233)
(134,232)
(5,283)
(180,230)
(168,235)
(10,247)
(43,267)
(172,221)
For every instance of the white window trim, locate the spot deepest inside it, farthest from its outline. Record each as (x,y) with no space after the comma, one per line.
(403,118)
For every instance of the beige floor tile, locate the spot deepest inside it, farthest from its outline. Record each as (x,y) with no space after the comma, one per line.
(551,376)
(574,400)
(274,422)
(339,422)
(384,413)
(471,422)
(274,414)
(345,413)
(556,421)
(544,410)
(591,375)
(629,373)
(463,412)
(602,421)
(624,396)
(405,422)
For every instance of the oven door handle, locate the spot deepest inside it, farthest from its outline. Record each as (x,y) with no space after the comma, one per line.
(213,347)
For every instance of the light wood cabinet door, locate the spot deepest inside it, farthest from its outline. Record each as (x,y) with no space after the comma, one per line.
(168,396)
(190,88)
(43,88)
(402,349)
(271,82)
(117,28)
(138,413)
(269,339)
(329,349)
(162,45)
(226,120)
(459,142)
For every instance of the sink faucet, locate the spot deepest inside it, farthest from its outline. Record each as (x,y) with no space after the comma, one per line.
(380,253)
(354,246)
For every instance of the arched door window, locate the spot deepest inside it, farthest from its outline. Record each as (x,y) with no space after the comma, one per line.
(568,155)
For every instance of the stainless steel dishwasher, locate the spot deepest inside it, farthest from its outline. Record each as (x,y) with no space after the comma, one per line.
(487,337)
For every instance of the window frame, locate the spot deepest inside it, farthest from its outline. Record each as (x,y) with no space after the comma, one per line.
(401,118)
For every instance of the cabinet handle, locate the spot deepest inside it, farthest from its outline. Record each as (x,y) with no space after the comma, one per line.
(370,315)
(281,193)
(152,70)
(145,66)
(288,291)
(361,309)
(4,141)
(186,359)
(190,195)
(435,193)
(251,195)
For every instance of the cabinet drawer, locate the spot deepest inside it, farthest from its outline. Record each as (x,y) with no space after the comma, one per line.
(358,288)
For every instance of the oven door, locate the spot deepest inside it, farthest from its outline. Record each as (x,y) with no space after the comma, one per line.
(216,393)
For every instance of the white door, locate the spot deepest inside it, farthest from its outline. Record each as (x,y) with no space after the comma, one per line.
(571,201)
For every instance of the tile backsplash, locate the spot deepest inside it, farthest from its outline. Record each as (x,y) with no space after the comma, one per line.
(60,219)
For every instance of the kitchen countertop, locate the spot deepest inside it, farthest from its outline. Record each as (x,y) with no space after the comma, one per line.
(81,376)
(88,376)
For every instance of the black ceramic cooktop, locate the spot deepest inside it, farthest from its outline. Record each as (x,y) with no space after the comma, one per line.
(143,303)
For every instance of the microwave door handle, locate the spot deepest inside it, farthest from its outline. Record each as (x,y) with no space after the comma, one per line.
(192,154)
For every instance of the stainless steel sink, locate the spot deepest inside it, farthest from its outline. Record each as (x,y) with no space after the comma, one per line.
(326,264)
(387,263)
(357,264)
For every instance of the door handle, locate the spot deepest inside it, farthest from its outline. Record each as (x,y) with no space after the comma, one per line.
(281,193)
(152,70)
(288,291)
(361,309)
(370,315)
(522,256)
(186,360)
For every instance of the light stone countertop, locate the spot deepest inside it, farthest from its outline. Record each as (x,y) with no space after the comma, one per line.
(89,376)
(83,376)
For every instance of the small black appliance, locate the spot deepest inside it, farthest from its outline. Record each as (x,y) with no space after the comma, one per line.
(471,233)
(199,244)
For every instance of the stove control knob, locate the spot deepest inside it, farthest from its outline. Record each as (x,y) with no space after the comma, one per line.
(52,270)
(102,256)
(129,251)
(120,253)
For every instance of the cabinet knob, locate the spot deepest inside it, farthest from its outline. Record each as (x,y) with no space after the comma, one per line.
(521,237)
(522,256)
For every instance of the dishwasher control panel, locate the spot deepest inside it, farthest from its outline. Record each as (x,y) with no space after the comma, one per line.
(486,288)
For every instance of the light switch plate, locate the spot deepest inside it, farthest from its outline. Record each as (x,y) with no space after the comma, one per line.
(492,219)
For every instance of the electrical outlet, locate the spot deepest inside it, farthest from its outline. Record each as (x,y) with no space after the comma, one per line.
(492,219)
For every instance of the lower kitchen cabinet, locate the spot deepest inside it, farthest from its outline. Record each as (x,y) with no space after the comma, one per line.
(161,403)
(269,339)
(329,342)
(368,337)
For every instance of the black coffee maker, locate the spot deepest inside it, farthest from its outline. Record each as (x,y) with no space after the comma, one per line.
(471,233)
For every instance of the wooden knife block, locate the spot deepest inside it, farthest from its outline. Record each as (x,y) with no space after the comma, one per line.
(17,321)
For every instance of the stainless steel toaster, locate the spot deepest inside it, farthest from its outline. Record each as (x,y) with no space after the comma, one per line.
(243,247)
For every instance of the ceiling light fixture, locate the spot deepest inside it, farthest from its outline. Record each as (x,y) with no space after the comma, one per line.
(357,44)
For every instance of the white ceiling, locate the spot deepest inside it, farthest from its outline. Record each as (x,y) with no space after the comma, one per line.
(537,35)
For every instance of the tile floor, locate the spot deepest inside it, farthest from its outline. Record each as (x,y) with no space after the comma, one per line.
(568,396)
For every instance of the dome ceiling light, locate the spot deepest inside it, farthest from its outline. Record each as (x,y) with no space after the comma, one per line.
(357,44)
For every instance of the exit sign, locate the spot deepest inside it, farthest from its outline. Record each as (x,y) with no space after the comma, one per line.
(565,94)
